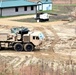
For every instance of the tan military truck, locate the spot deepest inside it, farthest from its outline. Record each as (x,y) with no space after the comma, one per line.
(21,39)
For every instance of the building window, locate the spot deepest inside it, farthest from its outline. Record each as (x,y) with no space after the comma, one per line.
(32,7)
(25,8)
(16,9)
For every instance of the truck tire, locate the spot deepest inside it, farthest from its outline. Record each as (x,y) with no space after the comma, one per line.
(18,47)
(28,47)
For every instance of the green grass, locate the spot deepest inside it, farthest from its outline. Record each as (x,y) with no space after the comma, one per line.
(32,20)
(55,5)
(51,19)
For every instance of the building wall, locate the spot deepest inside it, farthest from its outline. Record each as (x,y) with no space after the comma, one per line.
(44,7)
(47,6)
(11,11)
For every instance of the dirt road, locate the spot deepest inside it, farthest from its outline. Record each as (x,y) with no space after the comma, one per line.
(9,21)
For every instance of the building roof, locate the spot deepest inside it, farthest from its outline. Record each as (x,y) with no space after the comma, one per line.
(15,3)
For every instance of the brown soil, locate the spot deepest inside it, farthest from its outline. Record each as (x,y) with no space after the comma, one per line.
(56,33)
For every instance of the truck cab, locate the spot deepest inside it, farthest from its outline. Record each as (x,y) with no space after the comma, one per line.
(33,40)
(36,38)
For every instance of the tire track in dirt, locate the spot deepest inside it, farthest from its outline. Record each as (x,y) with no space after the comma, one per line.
(51,36)
(56,37)
(14,61)
(27,58)
(47,40)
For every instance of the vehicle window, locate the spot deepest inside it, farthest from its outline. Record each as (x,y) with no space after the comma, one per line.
(33,37)
(37,38)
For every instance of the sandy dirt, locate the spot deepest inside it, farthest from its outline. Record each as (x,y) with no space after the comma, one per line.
(56,45)
(8,21)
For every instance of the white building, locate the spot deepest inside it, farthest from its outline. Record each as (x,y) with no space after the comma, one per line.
(44,5)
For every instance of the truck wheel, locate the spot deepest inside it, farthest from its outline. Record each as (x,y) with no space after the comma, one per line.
(18,47)
(28,47)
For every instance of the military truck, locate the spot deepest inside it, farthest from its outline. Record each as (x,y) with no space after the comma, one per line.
(20,39)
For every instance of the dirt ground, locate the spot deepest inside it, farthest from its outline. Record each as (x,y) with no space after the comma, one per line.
(60,42)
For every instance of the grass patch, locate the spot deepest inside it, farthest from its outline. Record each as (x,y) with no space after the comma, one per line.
(51,19)
(55,5)
(32,20)
(15,15)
